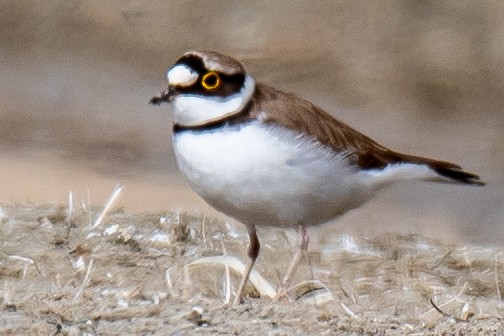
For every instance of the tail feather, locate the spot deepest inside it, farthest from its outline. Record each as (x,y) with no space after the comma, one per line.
(456,173)
(380,157)
(447,169)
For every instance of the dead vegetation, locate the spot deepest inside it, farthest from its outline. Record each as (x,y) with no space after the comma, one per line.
(75,270)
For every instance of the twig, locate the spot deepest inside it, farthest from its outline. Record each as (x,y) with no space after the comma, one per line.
(27,262)
(85,282)
(228,276)
(446,314)
(117,191)
(70,212)
(169,280)
(446,255)
(349,311)
(203,231)
(496,277)
(70,206)
(262,286)
(88,206)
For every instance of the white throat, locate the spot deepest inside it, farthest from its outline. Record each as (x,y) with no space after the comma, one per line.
(195,110)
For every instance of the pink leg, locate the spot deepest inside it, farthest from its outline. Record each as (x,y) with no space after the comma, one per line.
(303,246)
(253,252)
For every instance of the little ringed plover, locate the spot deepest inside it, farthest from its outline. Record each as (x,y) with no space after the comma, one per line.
(265,157)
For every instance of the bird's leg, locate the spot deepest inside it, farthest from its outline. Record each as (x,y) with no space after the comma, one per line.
(253,252)
(302,247)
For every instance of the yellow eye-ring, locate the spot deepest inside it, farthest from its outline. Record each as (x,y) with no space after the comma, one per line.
(211,81)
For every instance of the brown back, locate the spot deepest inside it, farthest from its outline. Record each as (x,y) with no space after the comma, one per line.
(273,106)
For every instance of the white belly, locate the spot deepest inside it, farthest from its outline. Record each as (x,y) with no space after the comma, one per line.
(268,175)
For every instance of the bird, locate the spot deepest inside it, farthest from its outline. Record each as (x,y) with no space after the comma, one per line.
(269,158)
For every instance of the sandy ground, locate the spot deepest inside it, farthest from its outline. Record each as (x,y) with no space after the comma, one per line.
(65,274)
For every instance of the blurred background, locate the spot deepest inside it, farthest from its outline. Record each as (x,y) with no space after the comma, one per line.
(425,77)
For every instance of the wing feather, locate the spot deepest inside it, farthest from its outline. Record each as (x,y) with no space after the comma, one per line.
(273,106)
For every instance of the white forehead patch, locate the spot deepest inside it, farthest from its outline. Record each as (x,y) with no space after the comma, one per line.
(181,75)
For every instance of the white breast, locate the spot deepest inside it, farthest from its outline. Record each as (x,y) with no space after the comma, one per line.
(264,174)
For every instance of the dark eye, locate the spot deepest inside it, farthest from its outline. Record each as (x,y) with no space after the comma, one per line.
(211,81)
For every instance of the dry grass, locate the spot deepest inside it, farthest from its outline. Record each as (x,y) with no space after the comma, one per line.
(82,270)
